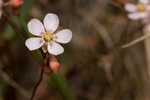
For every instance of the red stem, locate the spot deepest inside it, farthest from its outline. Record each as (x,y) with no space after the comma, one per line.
(41,76)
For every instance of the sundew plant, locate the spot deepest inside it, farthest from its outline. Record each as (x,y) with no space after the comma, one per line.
(74,49)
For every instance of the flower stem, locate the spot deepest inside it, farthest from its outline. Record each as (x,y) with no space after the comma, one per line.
(41,75)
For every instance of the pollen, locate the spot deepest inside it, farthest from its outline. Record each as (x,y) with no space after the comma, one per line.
(140,7)
(48,36)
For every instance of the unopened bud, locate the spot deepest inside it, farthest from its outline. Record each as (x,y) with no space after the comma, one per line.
(15,3)
(53,64)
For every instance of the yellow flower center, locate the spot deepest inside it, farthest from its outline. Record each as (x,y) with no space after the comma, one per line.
(48,36)
(140,7)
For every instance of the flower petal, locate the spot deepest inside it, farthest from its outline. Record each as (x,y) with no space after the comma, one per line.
(51,22)
(131,7)
(63,36)
(138,15)
(144,1)
(35,27)
(55,48)
(34,43)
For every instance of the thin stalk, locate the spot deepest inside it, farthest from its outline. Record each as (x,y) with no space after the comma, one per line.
(147,48)
(145,37)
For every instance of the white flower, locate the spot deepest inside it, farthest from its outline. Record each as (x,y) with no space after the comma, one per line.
(47,37)
(139,11)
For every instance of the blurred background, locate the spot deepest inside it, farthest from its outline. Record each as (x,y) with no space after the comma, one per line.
(94,65)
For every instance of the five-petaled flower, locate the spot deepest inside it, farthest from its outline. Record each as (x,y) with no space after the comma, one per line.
(47,36)
(138,11)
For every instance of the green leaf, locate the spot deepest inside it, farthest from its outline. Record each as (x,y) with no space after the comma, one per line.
(62,86)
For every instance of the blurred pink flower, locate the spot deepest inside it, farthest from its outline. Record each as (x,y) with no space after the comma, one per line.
(140,11)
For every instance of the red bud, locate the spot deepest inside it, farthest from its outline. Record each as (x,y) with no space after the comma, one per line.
(53,64)
(15,3)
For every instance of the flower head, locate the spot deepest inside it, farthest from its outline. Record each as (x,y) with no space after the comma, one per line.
(138,11)
(47,37)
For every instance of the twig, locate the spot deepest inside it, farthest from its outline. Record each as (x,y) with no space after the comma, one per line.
(136,41)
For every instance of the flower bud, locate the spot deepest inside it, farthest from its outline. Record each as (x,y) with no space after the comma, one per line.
(53,64)
(15,3)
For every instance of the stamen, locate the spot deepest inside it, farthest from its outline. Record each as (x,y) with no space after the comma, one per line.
(48,36)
